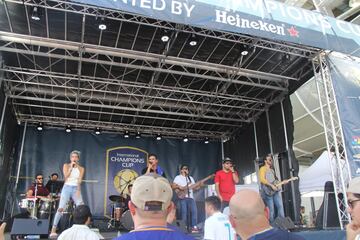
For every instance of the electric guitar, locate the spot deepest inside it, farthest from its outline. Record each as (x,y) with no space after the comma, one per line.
(270,192)
(181,191)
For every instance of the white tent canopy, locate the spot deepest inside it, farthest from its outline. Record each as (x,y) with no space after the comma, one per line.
(315,177)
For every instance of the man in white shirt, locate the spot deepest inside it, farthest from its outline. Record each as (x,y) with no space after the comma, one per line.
(217,225)
(184,185)
(80,230)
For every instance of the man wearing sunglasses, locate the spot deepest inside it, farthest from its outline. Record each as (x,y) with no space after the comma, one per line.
(225,180)
(353,195)
(184,188)
(38,185)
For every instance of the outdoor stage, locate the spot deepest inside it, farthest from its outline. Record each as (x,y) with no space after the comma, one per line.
(192,83)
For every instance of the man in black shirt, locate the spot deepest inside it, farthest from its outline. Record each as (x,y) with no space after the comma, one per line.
(53,185)
(153,167)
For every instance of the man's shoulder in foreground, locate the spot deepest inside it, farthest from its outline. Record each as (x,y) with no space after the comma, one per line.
(78,232)
(277,234)
(159,233)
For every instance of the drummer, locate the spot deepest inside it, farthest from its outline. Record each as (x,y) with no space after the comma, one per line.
(42,192)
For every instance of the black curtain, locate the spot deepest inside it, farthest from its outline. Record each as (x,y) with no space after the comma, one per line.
(9,137)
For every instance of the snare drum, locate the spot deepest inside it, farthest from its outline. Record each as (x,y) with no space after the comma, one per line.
(127,221)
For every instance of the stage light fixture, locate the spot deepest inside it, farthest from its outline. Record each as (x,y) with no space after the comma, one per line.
(40,127)
(158,137)
(165,36)
(245,52)
(68,129)
(97,131)
(206,140)
(126,134)
(35,14)
(186,139)
(193,40)
(138,135)
(102,24)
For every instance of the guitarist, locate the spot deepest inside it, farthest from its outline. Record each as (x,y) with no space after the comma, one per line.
(269,192)
(183,187)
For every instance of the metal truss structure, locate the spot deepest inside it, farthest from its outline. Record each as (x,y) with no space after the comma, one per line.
(64,71)
(334,136)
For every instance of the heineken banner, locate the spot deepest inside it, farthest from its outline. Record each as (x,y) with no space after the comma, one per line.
(345,75)
(123,165)
(262,18)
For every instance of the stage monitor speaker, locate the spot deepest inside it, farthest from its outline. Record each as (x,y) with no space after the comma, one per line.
(283,223)
(25,227)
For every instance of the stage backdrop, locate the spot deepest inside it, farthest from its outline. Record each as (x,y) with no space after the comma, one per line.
(108,159)
(345,75)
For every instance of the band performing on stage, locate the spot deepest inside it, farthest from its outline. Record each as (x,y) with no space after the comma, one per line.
(59,198)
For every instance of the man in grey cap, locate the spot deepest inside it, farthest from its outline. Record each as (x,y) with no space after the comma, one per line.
(353,195)
(225,180)
(149,206)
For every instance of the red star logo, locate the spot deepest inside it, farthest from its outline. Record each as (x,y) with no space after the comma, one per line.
(293,32)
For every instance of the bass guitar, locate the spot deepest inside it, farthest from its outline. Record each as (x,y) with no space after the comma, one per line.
(270,192)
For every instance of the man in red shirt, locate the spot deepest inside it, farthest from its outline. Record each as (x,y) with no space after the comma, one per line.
(41,189)
(225,181)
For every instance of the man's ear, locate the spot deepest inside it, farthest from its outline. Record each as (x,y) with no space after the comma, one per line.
(132,207)
(267,213)
(170,207)
(232,221)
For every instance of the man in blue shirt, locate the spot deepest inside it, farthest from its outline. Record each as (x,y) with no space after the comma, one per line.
(250,218)
(149,206)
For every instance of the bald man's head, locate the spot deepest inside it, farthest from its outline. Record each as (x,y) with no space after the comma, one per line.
(247,205)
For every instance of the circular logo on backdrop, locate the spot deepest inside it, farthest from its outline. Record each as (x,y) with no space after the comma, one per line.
(123,179)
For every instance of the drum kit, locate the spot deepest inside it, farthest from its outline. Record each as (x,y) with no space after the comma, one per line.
(120,214)
(39,207)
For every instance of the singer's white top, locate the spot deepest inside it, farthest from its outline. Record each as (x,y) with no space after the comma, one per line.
(182,181)
(73,179)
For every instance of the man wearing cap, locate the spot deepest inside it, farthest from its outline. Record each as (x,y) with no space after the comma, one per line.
(80,230)
(149,206)
(353,195)
(225,180)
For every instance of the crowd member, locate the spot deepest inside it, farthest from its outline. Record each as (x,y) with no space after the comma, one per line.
(353,195)
(183,183)
(73,174)
(267,177)
(37,188)
(2,230)
(53,185)
(149,207)
(250,218)
(153,167)
(80,230)
(217,225)
(225,180)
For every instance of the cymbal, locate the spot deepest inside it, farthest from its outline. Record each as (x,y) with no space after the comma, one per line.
(116,198)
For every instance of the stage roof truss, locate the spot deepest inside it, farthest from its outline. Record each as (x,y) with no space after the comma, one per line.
(63,71)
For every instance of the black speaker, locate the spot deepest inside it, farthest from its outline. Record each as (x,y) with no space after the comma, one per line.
(25,227)
(283,223)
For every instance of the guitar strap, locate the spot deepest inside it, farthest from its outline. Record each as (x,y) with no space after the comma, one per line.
(187,185)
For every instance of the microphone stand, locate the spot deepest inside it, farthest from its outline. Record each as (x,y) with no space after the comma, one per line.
(34,211)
